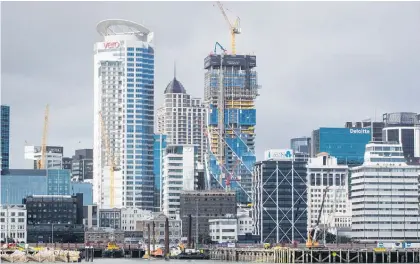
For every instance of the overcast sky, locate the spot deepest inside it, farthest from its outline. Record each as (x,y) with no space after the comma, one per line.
(319,64)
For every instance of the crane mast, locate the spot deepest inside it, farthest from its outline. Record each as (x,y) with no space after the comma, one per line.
(233,28)
(111,162)
(42,162)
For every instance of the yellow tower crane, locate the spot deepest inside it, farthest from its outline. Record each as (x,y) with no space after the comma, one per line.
(111,162)
(234,28)
(42,162)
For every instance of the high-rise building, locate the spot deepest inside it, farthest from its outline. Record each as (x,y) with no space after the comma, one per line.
(345,144)
(159,146)
(66,163)
(375,127)
(182,118)
(230,91)
(328,179)
(301,144)
(179,174)
(123,115)
(385,192)
(82,165)
(53,157)
(5,137)
(279,197)
(404,128)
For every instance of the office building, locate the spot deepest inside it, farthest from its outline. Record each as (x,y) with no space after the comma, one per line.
(130,216)
(66,163)
(385,196)
(55,218)
(231,122)
(5,137)
(245,223)
(179,174)
(13,223)
(301,144)
(223,230)
(53,157)
(159,220)
(345,144)
(123,115)
(17,184)
(203,206)
(109,218)
(159,145)
(375,127)
(279,197)
(182,118)
(328,179)
(82,165)
(403,128)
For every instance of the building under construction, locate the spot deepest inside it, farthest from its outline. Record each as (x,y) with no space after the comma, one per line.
(231,88)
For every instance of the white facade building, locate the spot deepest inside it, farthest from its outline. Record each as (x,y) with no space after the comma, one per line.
(182,118)
(385,193)
(223,230)
(325,176)
(53,157)
(245,223)
(179,174)
(13,223)
(130,216)
(123,115)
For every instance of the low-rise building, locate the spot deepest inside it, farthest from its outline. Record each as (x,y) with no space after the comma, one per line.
(245,223)
(130,216)
(13,223)
(223,230)
(109,218)
(159,220)
(104,235)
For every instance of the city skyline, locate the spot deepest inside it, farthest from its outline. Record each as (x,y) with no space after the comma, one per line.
(313,55)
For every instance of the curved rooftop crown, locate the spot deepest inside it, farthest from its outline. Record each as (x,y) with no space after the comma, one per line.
(175,87)
(112,27)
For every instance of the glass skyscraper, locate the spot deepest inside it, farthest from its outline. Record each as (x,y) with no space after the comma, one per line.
(159,146)
(123,115)
(5,136)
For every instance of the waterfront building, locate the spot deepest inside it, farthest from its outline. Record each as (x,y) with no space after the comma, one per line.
(182,118)
(279,197)
(13,223)
(5,137)
(385,191)
(130,216)
(328,179)
(159,145)
(82,165)
(55,218)
(123,115)
(104,236)
(203,206)
(53,157)
(301,144)
(345,144)
(223,230)
(230,91)
(158,221)
(109,218)
(245,223)
(179,174)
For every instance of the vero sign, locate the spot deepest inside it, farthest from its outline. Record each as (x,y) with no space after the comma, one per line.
(111,45)
(278,154)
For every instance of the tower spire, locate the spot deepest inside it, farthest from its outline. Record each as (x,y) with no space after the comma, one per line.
(174,69)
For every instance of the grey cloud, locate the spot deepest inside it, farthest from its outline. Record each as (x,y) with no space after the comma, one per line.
(319,63)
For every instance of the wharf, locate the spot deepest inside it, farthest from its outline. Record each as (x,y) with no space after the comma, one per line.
(315,255)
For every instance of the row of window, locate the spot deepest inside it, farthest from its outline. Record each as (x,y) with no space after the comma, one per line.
(144,55)
(150,61)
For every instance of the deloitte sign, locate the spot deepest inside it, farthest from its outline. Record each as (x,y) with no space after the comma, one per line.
(278,154)
(359,131)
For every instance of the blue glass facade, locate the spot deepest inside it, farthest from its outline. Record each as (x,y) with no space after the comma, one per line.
(159,146)
(346,144)
(139,113)
(5,136)
(17,184)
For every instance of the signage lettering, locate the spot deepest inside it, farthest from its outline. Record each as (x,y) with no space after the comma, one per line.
(279,154)
(359,131)
(111,45)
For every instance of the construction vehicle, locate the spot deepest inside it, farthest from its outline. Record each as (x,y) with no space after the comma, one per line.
(312,241)
(111,162)
(234,28)
(43,160)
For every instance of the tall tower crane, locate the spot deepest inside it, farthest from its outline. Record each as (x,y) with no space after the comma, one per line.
(42,162)
(111,162)
(234,28)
